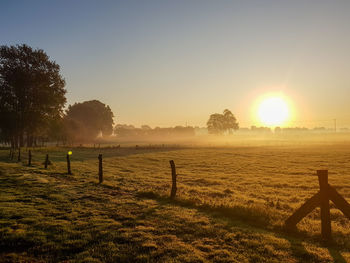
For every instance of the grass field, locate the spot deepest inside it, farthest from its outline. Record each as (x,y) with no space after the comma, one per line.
(230,207)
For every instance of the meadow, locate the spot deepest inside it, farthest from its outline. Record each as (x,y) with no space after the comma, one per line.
(230,206)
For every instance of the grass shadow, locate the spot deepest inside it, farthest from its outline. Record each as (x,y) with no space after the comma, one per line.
(337,257)
(299,251)
(254,215)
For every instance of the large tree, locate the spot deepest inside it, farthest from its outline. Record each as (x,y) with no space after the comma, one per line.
(32,93)
(221,123)
(86,120)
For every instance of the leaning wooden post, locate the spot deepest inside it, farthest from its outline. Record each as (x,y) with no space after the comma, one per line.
(173,176)
(325,214)
(68,164)
(19,155)
(100,170)
(29,158)
(46,161)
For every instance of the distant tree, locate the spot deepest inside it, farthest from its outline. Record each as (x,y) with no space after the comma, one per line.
(230,121)
(32,93)
(260,129)
(221,123)
(146,127)
(89,119)
(124,130)
(278,130)
(216,124)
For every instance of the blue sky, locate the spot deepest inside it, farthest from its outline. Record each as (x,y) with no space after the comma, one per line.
(170,62)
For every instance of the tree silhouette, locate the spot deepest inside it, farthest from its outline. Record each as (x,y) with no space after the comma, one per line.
(32,93)
(86,120)
(221,123)
(230,121)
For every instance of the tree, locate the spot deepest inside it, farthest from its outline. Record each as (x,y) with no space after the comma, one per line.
(146,127)
(32,93)
(215,124)
(220,123)
(230,121)
(89,119)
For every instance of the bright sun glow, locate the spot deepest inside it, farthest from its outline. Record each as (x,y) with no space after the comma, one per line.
(273,111)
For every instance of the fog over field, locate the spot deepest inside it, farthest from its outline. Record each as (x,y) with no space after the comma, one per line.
(239,138)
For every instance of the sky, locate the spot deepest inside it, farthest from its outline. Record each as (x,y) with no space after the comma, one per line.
(166,63)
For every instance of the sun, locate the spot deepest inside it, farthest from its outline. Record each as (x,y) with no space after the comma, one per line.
(273,111)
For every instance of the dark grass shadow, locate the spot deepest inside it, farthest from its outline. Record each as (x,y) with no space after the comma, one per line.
(337,257)
(257,218)
(97,185)
(254,215)
(299,251)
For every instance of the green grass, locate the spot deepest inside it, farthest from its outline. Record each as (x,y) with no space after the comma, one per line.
(230,207)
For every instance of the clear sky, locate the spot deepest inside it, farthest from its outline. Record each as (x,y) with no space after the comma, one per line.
(166,63)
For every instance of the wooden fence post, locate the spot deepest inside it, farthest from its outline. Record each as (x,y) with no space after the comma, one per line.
(100,170)
(46,161)
(173,176)
(19,155)
(325,214)
(68,165)
(321,199)
(29,158)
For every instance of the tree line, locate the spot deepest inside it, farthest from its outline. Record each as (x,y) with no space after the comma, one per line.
(123,130)
(32,100)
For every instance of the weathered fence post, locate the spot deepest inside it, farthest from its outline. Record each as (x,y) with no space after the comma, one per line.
(173,176)
(29,158)
(46,161)
(68,164)
(324,204)
(321,199)
(19,154)
(100,170)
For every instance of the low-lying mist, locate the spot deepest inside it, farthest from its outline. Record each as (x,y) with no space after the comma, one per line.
(238,138)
